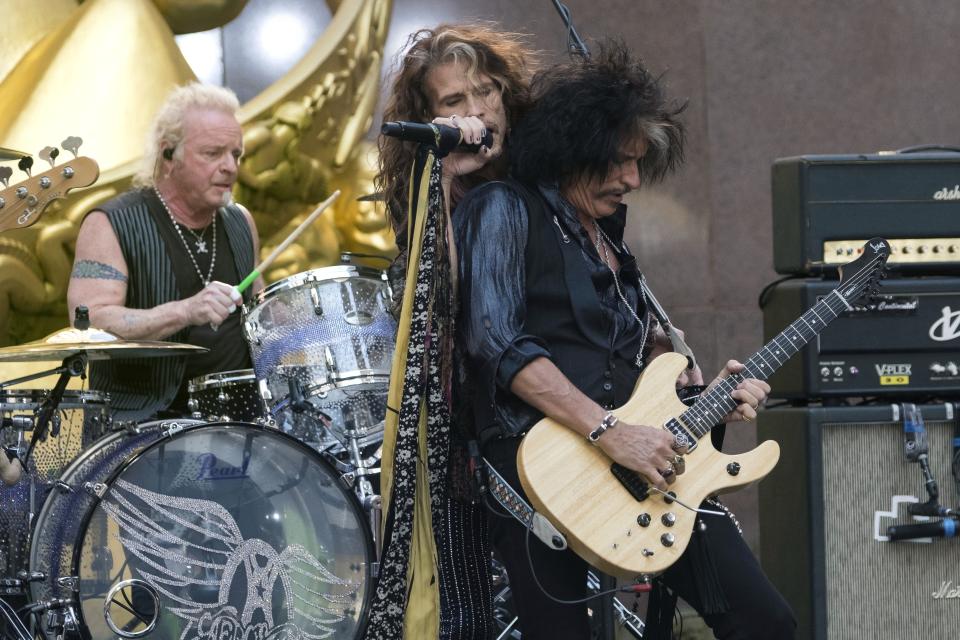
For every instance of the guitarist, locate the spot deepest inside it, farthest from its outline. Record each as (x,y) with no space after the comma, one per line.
(554,322)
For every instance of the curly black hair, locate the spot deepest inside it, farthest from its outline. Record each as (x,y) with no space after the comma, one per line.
(583,112)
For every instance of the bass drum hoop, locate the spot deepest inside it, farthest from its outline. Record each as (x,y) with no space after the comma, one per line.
(351,500)
(43,515)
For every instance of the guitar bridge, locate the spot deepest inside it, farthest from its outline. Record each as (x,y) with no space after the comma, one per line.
(633,482)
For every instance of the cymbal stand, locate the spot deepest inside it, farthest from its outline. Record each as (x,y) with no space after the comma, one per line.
(72,366)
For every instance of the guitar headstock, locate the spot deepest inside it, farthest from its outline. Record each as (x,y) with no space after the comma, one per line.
(860,279)
(22,204)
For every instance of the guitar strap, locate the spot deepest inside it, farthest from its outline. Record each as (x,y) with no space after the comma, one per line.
(514,504)
(676,340)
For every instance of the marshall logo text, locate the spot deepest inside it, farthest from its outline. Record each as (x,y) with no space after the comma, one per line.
(947,591)
(947,193)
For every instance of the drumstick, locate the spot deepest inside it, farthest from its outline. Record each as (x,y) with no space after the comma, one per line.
(260,268)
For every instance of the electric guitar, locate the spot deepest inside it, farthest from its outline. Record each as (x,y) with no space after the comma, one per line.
(609,514)
(22,204)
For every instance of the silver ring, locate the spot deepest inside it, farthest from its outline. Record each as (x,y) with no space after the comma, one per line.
(666,473)
(680,441)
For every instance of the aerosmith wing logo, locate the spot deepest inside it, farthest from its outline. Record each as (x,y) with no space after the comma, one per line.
(192,552)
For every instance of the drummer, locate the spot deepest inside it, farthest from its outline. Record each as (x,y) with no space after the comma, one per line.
(161,261)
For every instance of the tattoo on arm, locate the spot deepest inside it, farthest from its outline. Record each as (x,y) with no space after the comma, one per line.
(96,270)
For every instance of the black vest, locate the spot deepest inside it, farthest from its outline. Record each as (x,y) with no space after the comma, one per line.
(562,308)
(139,388)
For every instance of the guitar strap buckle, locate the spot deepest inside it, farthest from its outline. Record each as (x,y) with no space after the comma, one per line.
(514,504)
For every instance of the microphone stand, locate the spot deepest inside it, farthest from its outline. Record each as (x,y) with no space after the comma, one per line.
(574,43)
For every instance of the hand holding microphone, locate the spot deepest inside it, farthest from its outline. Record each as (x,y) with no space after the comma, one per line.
(444,137)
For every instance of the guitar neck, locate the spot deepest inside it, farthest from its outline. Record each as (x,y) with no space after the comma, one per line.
(713,405)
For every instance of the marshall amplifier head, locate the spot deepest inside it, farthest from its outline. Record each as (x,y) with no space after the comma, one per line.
(825,207)
(906,342)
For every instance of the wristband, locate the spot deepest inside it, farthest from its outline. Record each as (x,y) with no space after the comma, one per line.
(609,422)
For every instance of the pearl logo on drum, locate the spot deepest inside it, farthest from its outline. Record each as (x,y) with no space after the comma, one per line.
(211,470)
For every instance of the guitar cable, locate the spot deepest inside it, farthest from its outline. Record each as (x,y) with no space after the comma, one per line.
(634,588)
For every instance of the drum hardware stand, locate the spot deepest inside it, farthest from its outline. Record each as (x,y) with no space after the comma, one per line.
(370,501)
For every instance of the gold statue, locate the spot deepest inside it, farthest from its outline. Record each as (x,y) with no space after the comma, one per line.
(99,70)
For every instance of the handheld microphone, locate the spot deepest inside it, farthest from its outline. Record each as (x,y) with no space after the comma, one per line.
(946,528)
(435,135)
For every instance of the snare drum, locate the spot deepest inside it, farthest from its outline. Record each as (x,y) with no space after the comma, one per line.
(226,396)
(217,530)
(325,334)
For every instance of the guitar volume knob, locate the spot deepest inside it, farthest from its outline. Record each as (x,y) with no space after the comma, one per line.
(667,539)
(643,519)
(668,519)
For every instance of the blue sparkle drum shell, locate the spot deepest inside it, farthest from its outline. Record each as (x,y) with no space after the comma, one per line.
(327,332)
(224,530)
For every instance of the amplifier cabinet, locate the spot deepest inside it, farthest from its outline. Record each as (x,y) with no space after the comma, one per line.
(912,200)
(906,342)
(834,490)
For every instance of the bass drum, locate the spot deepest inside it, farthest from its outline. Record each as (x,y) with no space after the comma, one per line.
(203,531)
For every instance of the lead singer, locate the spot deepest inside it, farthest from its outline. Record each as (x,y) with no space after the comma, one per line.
(435,575)
(554,322)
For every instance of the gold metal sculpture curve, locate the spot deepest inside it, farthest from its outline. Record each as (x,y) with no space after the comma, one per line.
(303,135)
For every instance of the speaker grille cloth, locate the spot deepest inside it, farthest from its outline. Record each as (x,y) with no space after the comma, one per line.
(879,589)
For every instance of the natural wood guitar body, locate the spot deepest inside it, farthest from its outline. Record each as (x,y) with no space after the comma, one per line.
(569,480)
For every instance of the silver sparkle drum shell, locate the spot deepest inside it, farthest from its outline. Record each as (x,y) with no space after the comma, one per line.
(237,531)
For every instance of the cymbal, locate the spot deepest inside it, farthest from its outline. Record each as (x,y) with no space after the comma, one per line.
(11,154)
(96,343)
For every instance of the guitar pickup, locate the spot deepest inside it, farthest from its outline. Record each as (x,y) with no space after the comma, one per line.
(633,482)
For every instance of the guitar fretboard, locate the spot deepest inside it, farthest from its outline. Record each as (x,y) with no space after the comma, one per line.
(713,405)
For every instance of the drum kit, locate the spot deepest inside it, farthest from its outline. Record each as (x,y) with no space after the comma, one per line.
(253,518)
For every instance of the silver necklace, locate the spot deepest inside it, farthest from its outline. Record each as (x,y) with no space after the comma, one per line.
(198,237)
(601,246)
(200,249)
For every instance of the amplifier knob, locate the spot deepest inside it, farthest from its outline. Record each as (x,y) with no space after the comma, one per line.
(825,371)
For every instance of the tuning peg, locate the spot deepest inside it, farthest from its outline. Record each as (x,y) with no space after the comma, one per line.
(5,173)
(72,144)
(49,154)
(26,164)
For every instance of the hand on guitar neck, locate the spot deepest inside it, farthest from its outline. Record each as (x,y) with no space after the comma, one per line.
(750,393)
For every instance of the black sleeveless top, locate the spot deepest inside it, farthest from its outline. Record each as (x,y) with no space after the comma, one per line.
(160,271)
(223,354)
